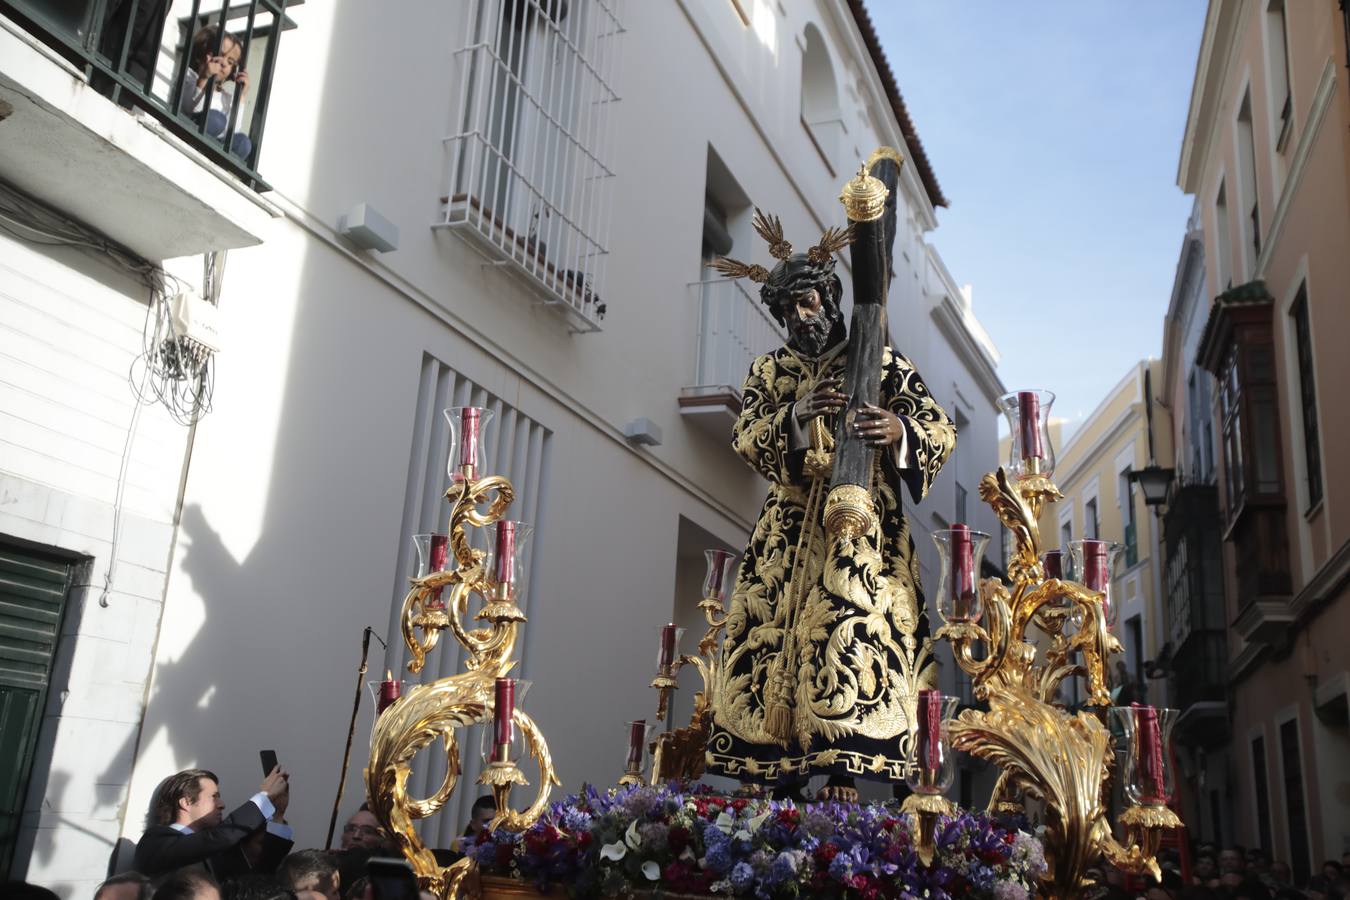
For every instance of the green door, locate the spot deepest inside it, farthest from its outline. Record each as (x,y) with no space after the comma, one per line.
(33,592)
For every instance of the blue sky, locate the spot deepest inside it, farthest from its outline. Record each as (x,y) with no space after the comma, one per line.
(1054,128)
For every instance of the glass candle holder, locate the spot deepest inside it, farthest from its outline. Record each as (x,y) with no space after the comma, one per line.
(507,558)
(501,740)
(1148,751)
(467,448)
(720,576)
(384,694)
(1094,563)
(433,551)
(668,648)
(1028,415)
(960,556)
(639,735)
(933,767)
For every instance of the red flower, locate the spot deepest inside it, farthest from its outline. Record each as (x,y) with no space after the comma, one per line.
(888,823)
(789,816)
(739,804)
(584,840)
(504,854)
(825,853)
(676,839)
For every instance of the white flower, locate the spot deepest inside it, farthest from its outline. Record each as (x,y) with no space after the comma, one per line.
(724,821)
(631,836)
(651,870)
(613,851)
(742,835)
(758,820)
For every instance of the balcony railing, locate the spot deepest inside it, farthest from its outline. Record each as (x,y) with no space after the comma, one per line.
(733,328)
(140,53)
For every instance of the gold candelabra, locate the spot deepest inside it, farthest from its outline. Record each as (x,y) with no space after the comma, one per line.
(439,709)
(1060,758)
(681,753)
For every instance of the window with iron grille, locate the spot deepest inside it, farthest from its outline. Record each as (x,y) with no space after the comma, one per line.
(1312,449)
(529,157)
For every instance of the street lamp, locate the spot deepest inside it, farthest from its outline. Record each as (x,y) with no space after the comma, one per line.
(1153,480)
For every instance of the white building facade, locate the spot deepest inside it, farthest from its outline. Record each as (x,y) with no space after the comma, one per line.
(555,175)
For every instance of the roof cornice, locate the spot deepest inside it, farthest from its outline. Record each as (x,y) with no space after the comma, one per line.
(1211,70)
(951,323)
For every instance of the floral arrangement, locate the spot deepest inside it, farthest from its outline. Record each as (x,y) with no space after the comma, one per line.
(697,842)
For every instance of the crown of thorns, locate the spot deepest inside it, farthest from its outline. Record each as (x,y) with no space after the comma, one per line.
(771,229)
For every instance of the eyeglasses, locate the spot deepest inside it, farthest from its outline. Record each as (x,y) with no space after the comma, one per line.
(363,830)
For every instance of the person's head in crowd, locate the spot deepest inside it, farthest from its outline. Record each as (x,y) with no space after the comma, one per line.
(188,884)
(1249,889)
(191,798)
(254,886)
(22,890)
(1331,871)
(127,886)
(204,47)
(1230,881)
(1280,871)
(1257,863)
(311,870)
(1204,869)
(481,816)
(363,832)
(1232,859)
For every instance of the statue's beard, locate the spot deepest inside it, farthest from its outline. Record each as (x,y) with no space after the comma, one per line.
(812,336)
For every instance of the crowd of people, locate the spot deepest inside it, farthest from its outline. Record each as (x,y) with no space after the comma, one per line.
(1233,873)
(192,850)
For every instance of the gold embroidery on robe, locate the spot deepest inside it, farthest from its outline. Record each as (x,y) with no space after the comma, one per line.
(860,634)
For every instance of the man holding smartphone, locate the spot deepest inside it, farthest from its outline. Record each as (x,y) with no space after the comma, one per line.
(190,830)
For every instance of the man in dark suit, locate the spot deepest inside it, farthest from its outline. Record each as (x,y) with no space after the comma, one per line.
(189,830)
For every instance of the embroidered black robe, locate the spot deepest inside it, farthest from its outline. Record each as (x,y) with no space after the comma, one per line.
(861,650)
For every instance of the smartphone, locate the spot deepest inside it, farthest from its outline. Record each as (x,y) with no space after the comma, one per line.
(269,761)
(392,879)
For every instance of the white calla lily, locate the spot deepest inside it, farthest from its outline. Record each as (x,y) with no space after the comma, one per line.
(615,851)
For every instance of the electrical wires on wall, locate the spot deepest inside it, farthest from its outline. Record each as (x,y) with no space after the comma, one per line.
(172,368)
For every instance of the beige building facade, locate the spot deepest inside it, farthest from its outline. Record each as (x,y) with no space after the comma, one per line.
(1266,154)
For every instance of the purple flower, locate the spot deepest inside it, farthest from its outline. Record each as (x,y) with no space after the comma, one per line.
(742,876)
(718,859)
(784,868)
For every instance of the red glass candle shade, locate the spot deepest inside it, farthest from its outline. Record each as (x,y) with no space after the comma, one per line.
(960,552)
(1147,737)
(433,552)
(637,743)
(1053,563)
(932,766)
(507,558)
(390,691)
(1028,416)
(503,716)
(467,453)
(718,580)
(1094,563)
(668,650)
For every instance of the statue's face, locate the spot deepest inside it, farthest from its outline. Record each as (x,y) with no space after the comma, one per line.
(804,297)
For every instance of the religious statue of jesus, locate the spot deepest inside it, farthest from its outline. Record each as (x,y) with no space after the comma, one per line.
(826,643)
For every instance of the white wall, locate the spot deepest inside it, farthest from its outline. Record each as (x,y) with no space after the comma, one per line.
(70,327)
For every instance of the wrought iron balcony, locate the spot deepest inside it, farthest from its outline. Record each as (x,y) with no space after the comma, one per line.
(733,328)
(111,124)
(139,54)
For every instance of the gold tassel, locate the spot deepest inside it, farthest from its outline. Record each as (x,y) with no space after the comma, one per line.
(778,721)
